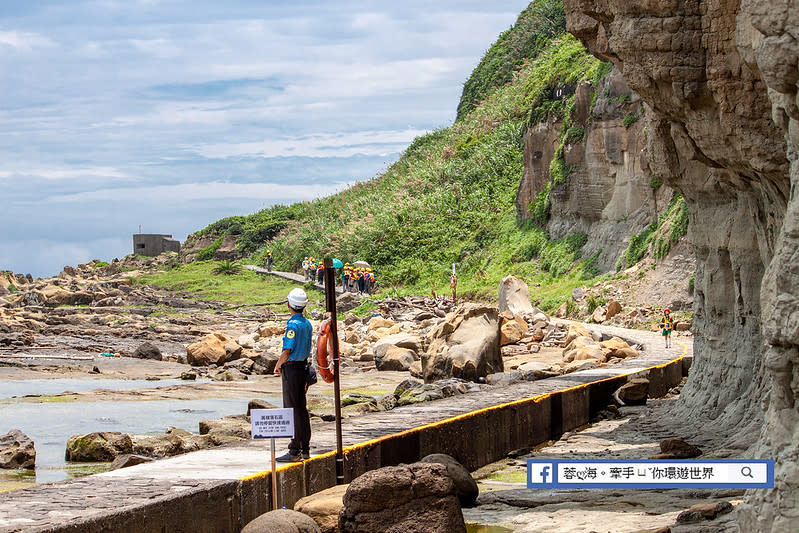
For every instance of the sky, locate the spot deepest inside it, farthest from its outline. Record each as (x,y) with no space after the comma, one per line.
(167,115)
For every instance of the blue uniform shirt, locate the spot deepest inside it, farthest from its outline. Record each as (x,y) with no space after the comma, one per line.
(298,338)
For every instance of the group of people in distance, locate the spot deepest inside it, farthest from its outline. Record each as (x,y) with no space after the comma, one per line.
(353,278)
(360,279)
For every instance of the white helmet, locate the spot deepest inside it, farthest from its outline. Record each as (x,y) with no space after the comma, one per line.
(298,299)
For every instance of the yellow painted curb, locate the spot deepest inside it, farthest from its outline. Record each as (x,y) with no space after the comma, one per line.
(535,399)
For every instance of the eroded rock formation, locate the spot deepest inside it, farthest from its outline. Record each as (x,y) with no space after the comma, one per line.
(720,80)
(608,191)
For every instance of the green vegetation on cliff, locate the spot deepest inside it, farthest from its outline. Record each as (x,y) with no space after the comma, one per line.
(451,197)
(536,27)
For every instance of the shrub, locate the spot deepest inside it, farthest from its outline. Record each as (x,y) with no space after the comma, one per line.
(227,268)
(691,283)
(208,252)
(594,301)
(629,119)
(624,98)
(575,134)
(539,209)
(655,182)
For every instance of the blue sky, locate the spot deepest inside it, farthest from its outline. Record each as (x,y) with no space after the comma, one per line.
(171,114)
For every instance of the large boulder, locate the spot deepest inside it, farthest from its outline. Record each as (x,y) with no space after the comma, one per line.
(324,507)
(264,363)
(126,460)
(575,330)
(402,340)
(213,349)
(464,345)
(634,392)
(614,308)
(514,296)
(148,350)
(98,447)
(617,347)
(513,328)
(417,497)
(465,486)
(17,450)
(282,521)
(347,302)
(582,349)
(270,329)
(389,357)
(235,425)
(378,322)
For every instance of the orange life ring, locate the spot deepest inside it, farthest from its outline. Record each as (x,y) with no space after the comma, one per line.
(322,349)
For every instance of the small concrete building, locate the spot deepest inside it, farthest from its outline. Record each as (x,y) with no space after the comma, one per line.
(151,244)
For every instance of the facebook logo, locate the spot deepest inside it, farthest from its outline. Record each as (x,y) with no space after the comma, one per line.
(540,474)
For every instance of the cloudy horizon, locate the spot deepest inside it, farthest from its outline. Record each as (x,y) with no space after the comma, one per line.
(172,114)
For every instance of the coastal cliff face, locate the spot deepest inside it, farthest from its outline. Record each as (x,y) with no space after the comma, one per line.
(608,191)
(720,78)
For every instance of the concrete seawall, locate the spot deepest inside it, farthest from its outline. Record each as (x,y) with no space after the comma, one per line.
(476,438)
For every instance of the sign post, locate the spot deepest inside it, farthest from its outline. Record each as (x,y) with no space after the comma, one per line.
(272,424)
(330,300)
(453,282)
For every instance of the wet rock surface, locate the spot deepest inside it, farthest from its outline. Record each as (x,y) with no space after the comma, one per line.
(17,451)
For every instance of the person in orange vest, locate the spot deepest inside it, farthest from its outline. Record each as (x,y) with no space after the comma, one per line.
(370,280)
(345,277)
(320,272)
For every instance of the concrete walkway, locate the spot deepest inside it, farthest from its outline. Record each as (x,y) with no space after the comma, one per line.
(45,506)
(290,276)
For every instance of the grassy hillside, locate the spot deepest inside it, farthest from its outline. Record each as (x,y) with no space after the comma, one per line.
(450,197)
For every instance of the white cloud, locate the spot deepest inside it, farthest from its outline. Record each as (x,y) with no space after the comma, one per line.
(161,48)
(23,41)
(189,192)
(379,143)
(65,173)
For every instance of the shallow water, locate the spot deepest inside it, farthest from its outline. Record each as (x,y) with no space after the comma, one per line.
(49,387)
(50,424)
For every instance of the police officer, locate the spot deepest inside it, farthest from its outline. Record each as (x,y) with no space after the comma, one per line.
(291,367)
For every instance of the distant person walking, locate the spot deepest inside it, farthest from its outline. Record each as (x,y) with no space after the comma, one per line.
(291,369)
(668,325)
(320,272)
(268,259)
(306,266)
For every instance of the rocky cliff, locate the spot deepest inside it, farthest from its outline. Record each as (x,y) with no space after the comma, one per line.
(721,80)
(608,190)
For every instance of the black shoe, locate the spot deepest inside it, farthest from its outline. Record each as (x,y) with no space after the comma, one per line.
(306,455)
(289,458)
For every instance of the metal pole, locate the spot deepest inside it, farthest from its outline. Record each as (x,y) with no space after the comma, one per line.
(274,477)
(330,298)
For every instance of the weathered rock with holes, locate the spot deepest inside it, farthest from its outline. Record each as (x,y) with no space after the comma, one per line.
(415,497)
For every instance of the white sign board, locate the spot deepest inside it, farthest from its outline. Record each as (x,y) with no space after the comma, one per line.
(272,423)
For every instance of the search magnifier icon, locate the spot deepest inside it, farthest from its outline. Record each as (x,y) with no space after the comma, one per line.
(747,472)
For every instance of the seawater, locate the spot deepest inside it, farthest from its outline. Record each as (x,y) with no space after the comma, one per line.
(50,424)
